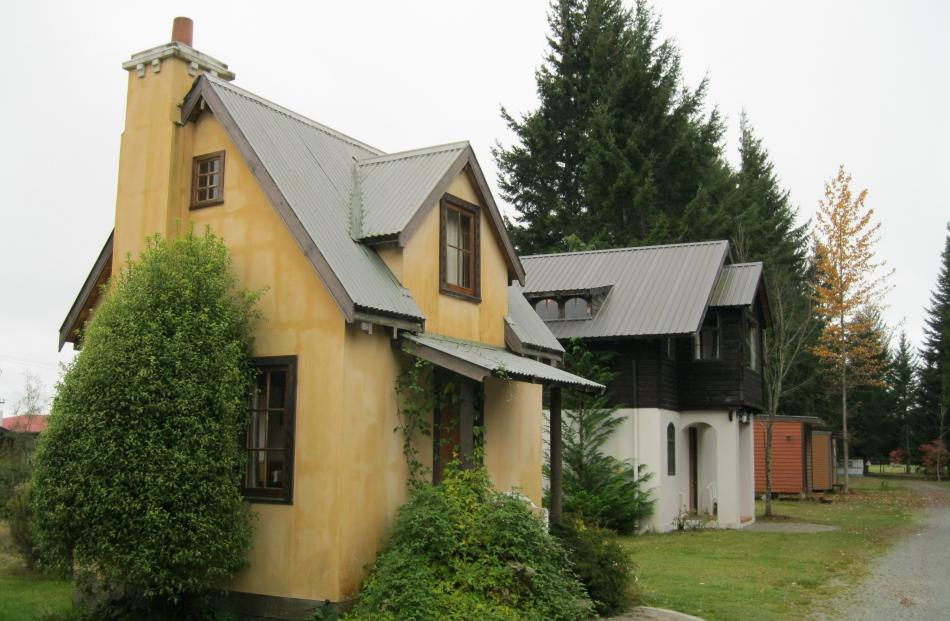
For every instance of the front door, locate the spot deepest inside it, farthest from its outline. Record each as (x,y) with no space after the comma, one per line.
(693,470)
(453,423)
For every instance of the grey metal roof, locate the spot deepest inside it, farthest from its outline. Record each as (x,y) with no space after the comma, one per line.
(527,327)
(477,361)
(312,167)
(654,290)
(737,285)
(394,187)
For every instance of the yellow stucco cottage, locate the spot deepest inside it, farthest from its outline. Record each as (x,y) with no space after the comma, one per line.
(362,256)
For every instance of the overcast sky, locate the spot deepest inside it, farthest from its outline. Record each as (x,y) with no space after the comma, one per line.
(859,83)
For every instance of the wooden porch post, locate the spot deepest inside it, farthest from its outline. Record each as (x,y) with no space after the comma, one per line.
(555,446)
(467,422)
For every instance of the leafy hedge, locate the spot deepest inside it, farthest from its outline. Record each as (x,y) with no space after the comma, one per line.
(137,476)
(602,564)
(461,551)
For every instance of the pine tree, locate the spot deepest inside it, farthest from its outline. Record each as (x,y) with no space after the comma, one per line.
(877,430)
(598,488)
(934,393)
(847,290)
(903,387)
(619,152)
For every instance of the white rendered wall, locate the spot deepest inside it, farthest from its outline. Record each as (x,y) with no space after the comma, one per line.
(725,462)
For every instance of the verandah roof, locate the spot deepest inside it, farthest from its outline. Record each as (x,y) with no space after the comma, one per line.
(478,361)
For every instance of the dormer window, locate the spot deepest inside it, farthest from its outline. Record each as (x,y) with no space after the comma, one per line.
(459,259)
(577,308)
(547,309)
(207,183)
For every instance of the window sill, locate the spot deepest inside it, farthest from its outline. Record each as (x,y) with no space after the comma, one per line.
(265,500)
(195,206)
(460,294)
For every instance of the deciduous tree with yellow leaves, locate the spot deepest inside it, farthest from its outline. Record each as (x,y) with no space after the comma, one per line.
(848,290)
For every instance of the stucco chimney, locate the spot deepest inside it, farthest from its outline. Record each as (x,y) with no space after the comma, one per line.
(182,30)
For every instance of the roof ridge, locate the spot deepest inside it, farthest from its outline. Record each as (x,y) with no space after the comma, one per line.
(402,155)
(626,249)
(294,115)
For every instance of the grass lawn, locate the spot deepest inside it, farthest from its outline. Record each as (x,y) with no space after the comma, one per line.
(751,575)
(24,596)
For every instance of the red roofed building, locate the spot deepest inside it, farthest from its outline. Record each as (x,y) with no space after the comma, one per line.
(25,423)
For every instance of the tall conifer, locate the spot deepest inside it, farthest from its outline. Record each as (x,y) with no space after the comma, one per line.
(934,393)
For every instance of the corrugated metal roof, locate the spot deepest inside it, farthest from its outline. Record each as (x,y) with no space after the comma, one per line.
(654,289)
(527,326)
(312,166)
(494,360)
(737,285)
(394,187)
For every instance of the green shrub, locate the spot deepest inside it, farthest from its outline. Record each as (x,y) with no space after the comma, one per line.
(601,563)
(598,488)
(137,476)
(20,517)
(461,551)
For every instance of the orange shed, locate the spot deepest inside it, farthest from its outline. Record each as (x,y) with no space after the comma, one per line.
(802,455)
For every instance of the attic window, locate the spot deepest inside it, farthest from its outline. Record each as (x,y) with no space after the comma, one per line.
(547,309)
(577,308)
(459,260)
(207,184)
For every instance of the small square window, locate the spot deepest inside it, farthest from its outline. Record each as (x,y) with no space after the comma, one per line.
(207,183)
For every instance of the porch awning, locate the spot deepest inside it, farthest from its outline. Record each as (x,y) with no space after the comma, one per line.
(478,361)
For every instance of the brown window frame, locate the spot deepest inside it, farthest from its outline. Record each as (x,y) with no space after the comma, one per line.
(454,203)
(699,341)
(284,494)
(195,163)
(754,353)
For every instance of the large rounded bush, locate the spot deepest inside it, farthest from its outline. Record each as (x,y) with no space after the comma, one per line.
(137,477)
(461,551)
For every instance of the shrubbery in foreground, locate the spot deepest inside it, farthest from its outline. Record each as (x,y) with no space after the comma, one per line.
(601,563)
(137,477)
(462,551)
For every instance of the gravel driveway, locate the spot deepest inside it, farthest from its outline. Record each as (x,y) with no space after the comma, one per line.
(913,580)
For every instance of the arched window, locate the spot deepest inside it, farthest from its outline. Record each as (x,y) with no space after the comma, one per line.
(577,308)
(547,309)
(671,450)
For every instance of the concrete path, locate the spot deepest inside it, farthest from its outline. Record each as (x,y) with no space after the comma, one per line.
(913,580)
(646,613)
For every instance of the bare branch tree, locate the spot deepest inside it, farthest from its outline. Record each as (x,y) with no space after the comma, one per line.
(793,330)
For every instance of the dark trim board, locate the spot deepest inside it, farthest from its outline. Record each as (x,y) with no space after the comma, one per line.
(273,608)
(100,272)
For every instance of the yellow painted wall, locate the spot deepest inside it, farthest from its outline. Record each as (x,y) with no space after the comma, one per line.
(445,314)
(513,436)
(372,473)
(296,547)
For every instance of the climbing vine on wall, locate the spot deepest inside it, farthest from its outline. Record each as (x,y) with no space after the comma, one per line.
(415,391)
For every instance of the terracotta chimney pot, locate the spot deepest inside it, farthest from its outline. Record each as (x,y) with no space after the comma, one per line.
(182,30)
